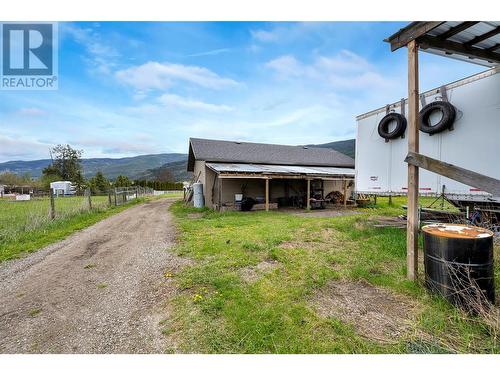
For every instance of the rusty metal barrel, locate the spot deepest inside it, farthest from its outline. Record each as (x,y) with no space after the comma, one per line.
(459,263)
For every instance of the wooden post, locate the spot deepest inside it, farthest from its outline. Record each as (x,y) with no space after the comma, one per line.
(109,197)
(52,212)
(412,225)
(220,193)
(390,199)
(345,191)
(115,197)
(267,194)
(308,196)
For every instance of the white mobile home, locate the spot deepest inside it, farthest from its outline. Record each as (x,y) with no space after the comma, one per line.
(472,140)
(62,188)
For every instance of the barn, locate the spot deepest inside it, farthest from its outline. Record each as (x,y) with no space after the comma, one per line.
(271,176)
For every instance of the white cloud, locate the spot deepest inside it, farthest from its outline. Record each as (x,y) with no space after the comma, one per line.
(110,146)
(101,56)
(213,52)
(265,35)
(287,66)
(344,70)
(187,103)
(16,148)
(32,111)
(155,75)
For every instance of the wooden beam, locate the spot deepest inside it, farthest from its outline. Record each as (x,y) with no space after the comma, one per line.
(457,29)
(410,33)
(308,196)
(488,184)
(480,38)
(493,48)
(267,194)
(458,48)
(412,226)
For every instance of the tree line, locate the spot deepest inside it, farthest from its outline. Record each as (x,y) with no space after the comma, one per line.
(66,165)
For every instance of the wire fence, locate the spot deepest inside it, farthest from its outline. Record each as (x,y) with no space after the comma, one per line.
(41,211)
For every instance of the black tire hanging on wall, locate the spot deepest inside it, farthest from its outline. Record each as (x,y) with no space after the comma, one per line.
(448,111)
(399,130)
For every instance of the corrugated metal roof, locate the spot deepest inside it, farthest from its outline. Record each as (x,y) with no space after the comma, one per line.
(279,169)
(211,150)
(477,42)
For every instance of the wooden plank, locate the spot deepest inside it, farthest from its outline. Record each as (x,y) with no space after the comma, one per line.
(412,225)
(267,194)
(410,33)
(488,184)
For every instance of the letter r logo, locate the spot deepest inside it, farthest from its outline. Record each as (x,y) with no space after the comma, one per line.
(27,49)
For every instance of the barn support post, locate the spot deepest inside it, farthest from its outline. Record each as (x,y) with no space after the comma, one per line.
(308,195)
(267,194)
(412,225)
(345,191)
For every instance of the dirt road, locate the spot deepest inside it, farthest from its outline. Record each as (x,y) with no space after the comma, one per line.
(101,290)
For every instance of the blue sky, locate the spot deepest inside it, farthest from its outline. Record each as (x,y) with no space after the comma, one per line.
(130,88)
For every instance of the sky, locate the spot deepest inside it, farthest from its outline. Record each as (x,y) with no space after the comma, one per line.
(132,88)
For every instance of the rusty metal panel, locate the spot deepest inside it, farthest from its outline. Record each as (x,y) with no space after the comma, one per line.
(279,169)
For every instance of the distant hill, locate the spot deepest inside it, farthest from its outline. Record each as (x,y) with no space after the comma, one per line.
(177,168)
(146,167)
(132,167)
(347,147)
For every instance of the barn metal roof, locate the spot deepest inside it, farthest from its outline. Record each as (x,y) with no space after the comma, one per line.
(211,150)
(473,41)
(279,169)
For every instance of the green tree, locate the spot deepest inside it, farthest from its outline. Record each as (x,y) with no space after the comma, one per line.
(122,181)
(98,184)
(66,163)
(79,182)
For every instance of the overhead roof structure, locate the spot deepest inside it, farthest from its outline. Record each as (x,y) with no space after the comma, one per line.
(211,150)
(473,41)
(282,170)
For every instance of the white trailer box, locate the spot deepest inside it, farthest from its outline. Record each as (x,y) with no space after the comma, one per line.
(474,142)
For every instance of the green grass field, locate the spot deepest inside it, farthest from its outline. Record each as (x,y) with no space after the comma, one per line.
(25,226)
(219,312)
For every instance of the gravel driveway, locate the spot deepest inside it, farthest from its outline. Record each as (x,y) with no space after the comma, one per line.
(101,290)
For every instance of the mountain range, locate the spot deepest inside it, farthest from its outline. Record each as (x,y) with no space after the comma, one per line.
(146,167)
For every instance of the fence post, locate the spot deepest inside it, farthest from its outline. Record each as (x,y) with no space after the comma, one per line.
(125,196)
(136,193)
(109,197)
(88,198)
(115,197)
(52,210)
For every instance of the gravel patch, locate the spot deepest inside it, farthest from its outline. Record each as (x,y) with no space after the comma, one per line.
(375,313)
(251,274)
(101,290)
